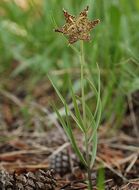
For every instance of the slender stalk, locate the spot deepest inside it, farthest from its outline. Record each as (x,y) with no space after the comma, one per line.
(90,187)
(82,62)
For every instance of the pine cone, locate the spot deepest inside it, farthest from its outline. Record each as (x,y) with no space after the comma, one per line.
(63,162)
(40,180)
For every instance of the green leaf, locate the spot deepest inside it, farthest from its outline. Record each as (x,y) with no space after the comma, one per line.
(96,122)
(76,120)
(67,131)
(91,117)
(77,111)
(57,91)
(97,92)
(98,119)
(73,141)
(97,115)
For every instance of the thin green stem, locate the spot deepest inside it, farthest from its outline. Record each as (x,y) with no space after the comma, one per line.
(82,62)
(90,186)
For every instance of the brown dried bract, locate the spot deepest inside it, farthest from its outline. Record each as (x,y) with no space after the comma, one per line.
(77,28)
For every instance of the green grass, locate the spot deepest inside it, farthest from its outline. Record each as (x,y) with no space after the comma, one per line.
(27,36)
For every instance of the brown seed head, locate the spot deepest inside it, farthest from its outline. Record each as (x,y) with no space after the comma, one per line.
(77,28)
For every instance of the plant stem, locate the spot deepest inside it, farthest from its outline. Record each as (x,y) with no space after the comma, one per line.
(82,62)
(90,187)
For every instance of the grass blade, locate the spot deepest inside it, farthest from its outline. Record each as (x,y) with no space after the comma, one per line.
(77,111)
(57,91)
(62,121)
(73,141)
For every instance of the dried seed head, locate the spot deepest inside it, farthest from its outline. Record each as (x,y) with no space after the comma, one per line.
(77,28)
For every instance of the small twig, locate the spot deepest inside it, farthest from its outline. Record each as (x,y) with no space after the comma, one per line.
(125,147)
(127,159)
(58,150)
(11,97)
(21,166)
(133,182)
(74,182)
(21,152)
(132,163)
(40,147)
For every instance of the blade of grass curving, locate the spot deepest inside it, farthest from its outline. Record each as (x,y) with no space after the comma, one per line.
(77,111)
(57,91)
(92,124)
(98,110)
(90,115)
(72,139)
(96,122)
(62,121)
(76,120)
(92,119)
(64,103)
(97,92)
(92,86)
(89,112)
(99,104)
(98,97)
(98,119)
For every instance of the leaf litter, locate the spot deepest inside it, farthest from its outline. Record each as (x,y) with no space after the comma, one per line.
(28,143)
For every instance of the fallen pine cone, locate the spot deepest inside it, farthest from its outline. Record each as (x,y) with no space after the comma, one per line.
(64,162)
(39,180)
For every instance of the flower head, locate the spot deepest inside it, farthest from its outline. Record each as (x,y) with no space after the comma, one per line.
(77,28)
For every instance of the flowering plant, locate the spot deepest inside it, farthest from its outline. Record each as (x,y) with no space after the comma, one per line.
(78,28)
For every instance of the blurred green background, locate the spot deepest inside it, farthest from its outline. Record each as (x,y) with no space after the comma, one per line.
(27,38)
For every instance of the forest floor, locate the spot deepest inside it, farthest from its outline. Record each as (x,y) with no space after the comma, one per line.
(32,139)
